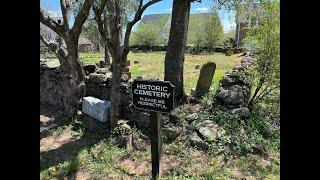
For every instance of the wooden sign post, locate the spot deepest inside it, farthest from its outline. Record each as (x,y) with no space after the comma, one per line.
(157,97)
(156,143)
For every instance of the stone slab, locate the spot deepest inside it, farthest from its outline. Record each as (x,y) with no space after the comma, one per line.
(96,108)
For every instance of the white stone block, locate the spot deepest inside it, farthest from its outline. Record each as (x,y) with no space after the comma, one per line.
(96,108)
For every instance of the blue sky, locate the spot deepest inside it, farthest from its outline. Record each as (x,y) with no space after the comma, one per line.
(165,6)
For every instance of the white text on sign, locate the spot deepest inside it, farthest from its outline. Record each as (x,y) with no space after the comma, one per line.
(152,90)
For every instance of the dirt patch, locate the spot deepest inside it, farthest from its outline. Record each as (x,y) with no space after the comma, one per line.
(51,138)
(56,140)
(169,163)
(81,175)
(136,168)
(191,108)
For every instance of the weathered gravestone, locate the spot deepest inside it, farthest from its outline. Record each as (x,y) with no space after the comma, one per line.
(96,108)
(102,64)
(205,79)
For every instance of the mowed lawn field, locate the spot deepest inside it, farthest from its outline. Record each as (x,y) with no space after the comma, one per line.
(151,65)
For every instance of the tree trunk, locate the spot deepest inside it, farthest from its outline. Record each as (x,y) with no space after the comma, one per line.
(115,92)
(176,46)
(106,55)
(75,87)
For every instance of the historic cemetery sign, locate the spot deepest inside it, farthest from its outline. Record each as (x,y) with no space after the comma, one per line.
(153,95)
(156,96)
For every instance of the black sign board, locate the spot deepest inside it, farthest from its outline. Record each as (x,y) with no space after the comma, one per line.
(153,95)
(156,96)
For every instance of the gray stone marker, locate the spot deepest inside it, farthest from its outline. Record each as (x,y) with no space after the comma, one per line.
(204,80)
(96,108)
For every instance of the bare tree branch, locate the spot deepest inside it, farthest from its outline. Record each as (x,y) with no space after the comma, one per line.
(66,10)
(138,14)
(99,10)
(263,94)
(137,17)
(81,18)
(54,47)
(51,45)
(97,16)
(112,26)
(52,24)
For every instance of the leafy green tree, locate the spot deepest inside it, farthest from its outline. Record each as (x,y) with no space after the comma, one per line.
(147,34)
(205,31)
(264,39)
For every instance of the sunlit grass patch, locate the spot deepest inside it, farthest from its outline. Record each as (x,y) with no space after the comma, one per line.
(151,64)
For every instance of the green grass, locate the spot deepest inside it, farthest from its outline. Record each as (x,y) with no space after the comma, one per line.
(151,65)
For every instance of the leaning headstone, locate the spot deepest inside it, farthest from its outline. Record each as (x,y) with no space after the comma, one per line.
(96,108)
(102,64)
(205,79)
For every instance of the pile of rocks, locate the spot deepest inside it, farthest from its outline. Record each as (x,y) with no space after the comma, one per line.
(98,81)
(204,133)
(234,92)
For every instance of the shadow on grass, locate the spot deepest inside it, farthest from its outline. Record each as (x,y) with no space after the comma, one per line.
(68,151)
(51,119)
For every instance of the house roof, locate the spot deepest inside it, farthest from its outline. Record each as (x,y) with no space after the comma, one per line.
(154,18)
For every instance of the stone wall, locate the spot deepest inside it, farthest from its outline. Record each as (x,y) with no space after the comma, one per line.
(52,82)
(98,84)
(234,92)
(82,48)
(88,48)
(189,49)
